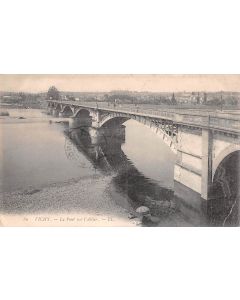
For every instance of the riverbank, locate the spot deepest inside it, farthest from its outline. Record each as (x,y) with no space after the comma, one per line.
(70,204)
(74,203)
(23,105)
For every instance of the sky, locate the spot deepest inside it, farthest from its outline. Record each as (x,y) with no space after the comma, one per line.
(104,83)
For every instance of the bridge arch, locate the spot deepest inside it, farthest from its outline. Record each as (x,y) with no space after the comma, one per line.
(117,119)
(114,122)
(222,155)
(68,110)
(82,113)
(81,118)
(50,105)
(225,191)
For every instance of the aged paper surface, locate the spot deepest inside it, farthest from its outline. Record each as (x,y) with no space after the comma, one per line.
(119,150)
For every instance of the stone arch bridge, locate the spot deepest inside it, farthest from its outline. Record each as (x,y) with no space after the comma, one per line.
(206,144)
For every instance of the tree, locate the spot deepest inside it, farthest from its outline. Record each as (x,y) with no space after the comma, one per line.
(53,93)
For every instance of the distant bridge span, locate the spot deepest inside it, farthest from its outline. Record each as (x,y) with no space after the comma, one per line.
(203,141)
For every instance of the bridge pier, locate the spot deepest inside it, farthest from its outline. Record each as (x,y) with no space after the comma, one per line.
(94,134)
(75,122)
(193,170)
(194,160)
(55,112)
(49,110)
(62,115)
(188,167)
(107,135)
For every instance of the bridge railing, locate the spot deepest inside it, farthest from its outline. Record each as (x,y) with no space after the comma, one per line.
(191,119)
(224,123)
(133,109)
(215,122)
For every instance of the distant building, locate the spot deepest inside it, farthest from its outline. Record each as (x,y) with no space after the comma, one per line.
(173,99)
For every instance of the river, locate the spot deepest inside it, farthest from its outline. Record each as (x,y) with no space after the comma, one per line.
(47,169)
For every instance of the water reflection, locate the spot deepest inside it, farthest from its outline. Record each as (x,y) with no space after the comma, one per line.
(106,154)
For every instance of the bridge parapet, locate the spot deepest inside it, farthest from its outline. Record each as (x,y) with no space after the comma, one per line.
(191,119)
(224,123)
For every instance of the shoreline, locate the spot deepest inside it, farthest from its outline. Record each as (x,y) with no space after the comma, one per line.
(69,204)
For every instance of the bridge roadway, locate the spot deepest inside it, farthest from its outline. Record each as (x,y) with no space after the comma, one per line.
(226,120)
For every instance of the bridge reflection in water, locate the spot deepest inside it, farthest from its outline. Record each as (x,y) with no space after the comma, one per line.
(105,153)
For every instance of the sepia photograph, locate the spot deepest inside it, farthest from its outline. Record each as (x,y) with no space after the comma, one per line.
(119,150)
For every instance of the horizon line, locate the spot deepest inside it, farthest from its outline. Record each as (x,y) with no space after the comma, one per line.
(134,91)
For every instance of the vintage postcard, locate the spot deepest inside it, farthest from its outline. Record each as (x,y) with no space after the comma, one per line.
(119,150)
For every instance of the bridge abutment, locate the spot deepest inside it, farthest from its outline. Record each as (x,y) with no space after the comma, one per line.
(62,114)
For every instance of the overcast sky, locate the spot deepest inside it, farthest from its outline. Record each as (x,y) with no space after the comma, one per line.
(152,83)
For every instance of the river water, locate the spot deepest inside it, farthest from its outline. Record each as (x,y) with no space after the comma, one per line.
(39,151)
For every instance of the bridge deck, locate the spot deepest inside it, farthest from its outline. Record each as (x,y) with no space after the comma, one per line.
(222,120)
